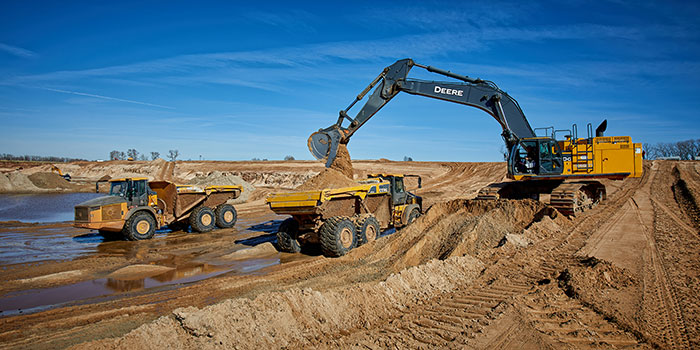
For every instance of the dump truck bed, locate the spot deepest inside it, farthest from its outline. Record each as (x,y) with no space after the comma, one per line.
(180,199)
(312,202)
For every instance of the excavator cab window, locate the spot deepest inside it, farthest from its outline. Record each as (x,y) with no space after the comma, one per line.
(525,158)
(550,157)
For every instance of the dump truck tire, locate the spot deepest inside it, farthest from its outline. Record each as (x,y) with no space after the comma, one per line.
(287,236)
(141,225)
(226,216)
(412,216)
(202,219)
(337,236)
(367,230)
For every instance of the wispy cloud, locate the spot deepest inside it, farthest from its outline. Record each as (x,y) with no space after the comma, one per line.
(105,97)
(17,51)
(299,56)
(249,68)
(291,20)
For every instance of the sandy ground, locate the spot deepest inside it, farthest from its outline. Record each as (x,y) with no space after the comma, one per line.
(467,274)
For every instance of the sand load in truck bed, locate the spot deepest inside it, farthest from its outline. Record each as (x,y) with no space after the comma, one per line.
(318,201)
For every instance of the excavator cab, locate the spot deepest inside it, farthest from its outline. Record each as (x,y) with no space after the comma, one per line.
(536,156)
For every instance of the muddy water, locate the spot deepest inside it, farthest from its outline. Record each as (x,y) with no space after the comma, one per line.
(191,257)
(50,207)
(35,300)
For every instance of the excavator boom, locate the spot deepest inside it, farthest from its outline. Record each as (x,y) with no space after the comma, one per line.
(478,93)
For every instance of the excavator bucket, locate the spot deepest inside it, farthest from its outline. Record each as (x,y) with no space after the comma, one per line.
(323,144)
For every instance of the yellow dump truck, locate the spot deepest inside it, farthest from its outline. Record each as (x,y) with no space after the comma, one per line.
(340,219)
(136,208)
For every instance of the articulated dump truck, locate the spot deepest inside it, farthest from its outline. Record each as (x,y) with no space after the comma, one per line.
(136,208)
(341,219)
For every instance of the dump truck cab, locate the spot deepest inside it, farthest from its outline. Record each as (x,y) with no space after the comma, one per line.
(135,191)
(399,195)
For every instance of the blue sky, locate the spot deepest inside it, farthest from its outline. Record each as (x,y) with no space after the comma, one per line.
(238,80)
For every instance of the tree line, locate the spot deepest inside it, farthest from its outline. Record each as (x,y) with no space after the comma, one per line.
(133,154)
(684,150)
(7,156)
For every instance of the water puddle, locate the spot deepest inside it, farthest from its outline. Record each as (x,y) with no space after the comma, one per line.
(36,300)
(185,258)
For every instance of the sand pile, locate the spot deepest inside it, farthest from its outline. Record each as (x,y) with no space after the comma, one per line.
(218,178)
(18,183)
(51,181)
(343,162)
(456,228)
(327,178)
(5,184)
(295,317)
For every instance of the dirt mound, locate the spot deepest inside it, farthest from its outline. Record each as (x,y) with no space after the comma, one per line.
(218,178)
(18,183)
(50,181)
(343,162)
(138,271)
(5,184)
(327,178)
(456,228)
(292,318)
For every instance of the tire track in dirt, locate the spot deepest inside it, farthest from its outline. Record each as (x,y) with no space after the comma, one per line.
(684,192)
(167,172)
(659,296)
(451,319)
(566,323)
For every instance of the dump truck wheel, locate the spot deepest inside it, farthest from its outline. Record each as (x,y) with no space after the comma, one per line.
(287,236)
(226,216)
(141,225)
(412,216)
(368,230)
(202,219)
(337,236)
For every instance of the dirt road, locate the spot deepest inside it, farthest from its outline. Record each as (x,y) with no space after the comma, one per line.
(467,274)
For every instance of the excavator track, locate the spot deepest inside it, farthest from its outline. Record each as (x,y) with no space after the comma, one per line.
(571,198)
(568,198)
(491,192)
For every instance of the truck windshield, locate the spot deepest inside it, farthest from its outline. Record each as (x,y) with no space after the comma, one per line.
(118,189)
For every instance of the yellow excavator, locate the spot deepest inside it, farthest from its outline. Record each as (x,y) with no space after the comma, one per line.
(557,167)
(60,173)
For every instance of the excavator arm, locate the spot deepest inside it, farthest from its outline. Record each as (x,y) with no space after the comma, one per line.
(478,93)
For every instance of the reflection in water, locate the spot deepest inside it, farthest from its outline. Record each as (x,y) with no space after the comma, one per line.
(271,226)
(21,243)
(35,300)
(124,285)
